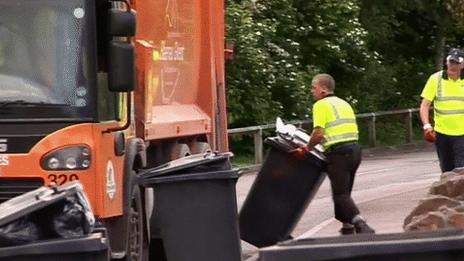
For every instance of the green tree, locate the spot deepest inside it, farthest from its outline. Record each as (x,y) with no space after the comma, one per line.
(335,42)
(266,78)
(248,79)
(292,82)
(410,38)
(380,52)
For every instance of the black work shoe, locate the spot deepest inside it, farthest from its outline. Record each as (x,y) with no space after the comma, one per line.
(363,228)
(347,231)
(289,237)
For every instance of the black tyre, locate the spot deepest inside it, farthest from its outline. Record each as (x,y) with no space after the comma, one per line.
(200,147)
(179,150)
(137,248)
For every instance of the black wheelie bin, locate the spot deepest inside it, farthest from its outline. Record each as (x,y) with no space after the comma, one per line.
(282,190)
(195,203)
(437,245)
(51,224)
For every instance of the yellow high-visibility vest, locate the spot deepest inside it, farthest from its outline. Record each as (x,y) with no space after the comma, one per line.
(338,120)
(448,107)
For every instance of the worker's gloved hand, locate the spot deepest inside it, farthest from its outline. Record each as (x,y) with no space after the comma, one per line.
(300,153)
(429,134)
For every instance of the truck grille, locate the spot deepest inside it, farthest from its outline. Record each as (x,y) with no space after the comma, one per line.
(12,187)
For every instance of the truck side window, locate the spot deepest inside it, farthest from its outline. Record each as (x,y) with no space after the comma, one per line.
(108,102)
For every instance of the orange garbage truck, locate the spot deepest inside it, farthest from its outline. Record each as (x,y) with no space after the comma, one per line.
(97,90)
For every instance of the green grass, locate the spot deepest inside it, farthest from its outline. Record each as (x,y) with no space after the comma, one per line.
(242,160)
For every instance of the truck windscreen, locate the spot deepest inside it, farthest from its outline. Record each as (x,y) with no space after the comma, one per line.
(43,53)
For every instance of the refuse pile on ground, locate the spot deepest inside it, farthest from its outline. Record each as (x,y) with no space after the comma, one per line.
(443,207)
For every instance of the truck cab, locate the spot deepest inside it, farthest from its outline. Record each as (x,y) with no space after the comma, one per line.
(90,92)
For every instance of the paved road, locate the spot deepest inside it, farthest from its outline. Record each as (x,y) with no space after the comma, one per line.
(388,185)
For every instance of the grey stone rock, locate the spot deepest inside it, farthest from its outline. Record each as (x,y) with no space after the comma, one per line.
(431,203)
(450,186)
(427,222)
(443,207)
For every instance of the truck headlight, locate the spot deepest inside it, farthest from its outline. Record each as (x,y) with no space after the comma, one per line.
(68,158)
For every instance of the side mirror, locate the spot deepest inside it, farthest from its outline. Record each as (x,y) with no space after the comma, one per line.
(121,66)
(121,23)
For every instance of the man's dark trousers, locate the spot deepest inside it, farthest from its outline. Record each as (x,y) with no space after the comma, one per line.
(344,160)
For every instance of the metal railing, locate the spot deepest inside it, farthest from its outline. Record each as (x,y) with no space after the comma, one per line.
(257,131)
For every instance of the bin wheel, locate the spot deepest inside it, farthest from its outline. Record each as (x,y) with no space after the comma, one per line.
(137,248)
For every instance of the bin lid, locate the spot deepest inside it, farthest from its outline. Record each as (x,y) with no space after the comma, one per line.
(187,164)
(288,146)
(189,177)
(290,131)
(34,200)
(297,137)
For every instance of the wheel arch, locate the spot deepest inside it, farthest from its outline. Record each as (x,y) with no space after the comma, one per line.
(134,159)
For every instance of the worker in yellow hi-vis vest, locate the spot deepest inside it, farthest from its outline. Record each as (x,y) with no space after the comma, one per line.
(445,89)
(335,127)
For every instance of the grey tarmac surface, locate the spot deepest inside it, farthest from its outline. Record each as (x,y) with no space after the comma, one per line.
(388,185)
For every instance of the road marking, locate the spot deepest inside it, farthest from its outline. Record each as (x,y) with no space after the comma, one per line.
(388,169)
(316,229)
(254,257)
(373,171)
(417,185)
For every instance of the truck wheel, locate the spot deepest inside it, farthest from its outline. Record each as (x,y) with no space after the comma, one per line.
(180,150)
(137,249)
(200,147)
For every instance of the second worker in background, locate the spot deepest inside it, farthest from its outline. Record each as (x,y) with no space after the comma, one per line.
(445,89)
(335,127)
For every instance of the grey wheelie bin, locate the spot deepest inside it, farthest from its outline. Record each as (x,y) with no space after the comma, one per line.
(195,201)
(282,190)
(51,224)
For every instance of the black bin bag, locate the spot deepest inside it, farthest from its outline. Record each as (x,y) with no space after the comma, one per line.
(19,232)
(280,194)
(195,203)
(46,213)
(51,224)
